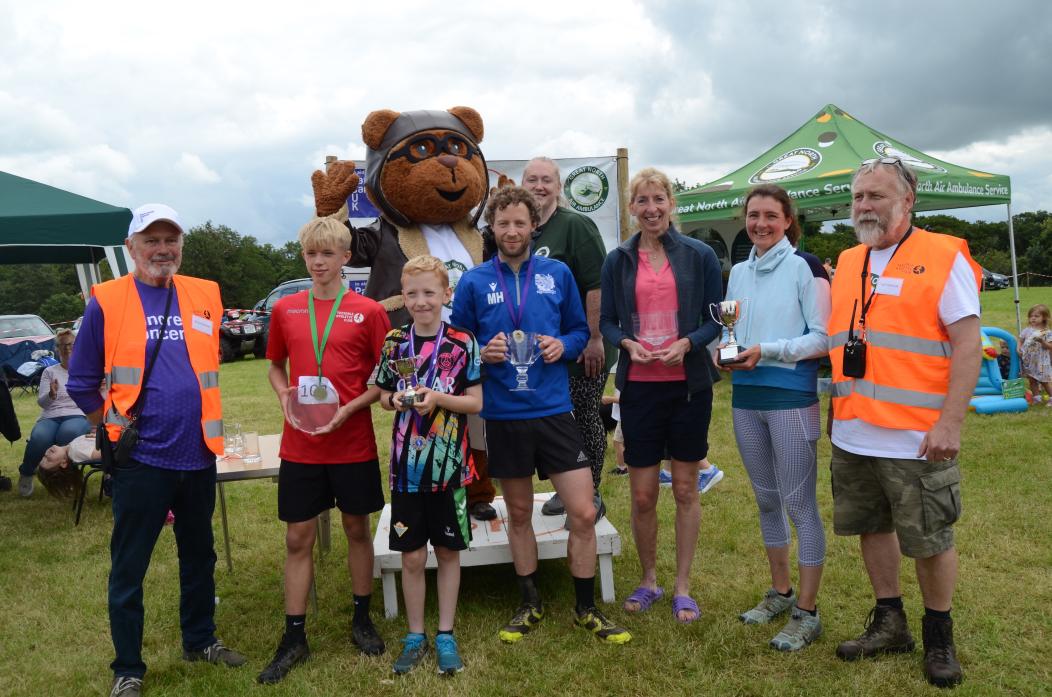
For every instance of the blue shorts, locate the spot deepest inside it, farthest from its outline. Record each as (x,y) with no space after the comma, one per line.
(660,420)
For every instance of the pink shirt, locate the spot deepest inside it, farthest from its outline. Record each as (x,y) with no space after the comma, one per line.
(656,293)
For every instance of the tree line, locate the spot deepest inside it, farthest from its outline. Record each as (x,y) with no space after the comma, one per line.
(244,269)
(247,270)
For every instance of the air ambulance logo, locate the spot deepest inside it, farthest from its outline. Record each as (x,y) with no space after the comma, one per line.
(886,149)
(586,188)
(790,164)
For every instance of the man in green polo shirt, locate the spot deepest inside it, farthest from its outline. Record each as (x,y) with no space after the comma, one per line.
(574,239)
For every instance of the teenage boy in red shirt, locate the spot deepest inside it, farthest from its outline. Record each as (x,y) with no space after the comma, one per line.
(323,345)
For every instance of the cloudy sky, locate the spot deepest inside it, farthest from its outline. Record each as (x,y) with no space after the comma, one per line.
(223,109)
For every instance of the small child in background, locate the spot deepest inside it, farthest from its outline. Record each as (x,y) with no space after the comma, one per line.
(709,475)
(1004,361)
(614,401)
(1035,352)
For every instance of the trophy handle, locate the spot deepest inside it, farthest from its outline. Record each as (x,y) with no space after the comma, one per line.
(714,313)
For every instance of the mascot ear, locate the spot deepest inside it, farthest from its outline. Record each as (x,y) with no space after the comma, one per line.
(471,119)
(376,125)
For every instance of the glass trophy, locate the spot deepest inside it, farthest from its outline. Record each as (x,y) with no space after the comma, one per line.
(655,329)
(524,351)
(314,404)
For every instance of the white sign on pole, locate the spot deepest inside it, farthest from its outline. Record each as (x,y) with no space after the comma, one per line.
(589,187)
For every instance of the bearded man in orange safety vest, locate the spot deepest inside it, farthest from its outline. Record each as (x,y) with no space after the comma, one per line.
(905,349)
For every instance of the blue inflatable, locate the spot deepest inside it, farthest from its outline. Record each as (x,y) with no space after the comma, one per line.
(988,397)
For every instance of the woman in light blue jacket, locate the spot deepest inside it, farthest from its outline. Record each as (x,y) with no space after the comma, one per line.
(775,403)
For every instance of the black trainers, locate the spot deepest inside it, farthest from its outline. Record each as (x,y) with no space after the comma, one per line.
(886,632)
(125,686)
(288,656)
(940,658)
(216,653)
(366,639)
(480,510)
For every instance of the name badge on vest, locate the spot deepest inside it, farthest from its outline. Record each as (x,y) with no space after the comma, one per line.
(889,286)
(201,324)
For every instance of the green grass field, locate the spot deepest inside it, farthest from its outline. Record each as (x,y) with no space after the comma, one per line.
(54,632)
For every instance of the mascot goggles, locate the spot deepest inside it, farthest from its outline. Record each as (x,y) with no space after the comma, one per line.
(426,145)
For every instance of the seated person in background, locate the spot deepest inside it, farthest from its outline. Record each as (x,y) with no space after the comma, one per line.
(54,470)
(60,421)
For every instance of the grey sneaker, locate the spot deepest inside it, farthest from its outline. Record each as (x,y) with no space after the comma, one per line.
(801,629)
(414,648)
(126,687)
(553,506)
(772,605)
(886,632)
(215,654)
(25,485)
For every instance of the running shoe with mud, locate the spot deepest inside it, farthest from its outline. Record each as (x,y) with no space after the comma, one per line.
(524,619)
(604,629)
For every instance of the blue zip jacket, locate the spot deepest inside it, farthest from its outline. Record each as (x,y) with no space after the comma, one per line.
(553,307)
(786,311)
(698,283)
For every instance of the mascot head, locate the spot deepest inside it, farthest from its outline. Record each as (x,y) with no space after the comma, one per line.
(425,166)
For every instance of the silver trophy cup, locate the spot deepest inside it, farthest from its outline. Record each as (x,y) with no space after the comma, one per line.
(406,369)
(728,313)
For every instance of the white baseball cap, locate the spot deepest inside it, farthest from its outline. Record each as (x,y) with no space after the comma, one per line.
(147,214)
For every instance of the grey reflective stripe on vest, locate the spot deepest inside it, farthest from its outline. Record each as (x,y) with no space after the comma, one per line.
(911,344)
(112,416)
(214,429)
(124,375)
(209,379)
(883,393)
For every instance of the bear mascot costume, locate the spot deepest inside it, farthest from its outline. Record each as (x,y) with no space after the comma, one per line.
(425,173)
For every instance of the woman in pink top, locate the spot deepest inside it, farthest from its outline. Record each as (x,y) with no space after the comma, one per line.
(656,290)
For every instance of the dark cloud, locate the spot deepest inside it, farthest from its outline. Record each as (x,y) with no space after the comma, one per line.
(936,75)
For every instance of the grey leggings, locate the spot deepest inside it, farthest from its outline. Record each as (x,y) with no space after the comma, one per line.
(778,449)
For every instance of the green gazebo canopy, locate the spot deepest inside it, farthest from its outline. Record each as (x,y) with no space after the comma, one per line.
(40,224)
(815,163)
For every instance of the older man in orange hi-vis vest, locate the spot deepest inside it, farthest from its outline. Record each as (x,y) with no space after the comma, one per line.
(905,348)
(154,337)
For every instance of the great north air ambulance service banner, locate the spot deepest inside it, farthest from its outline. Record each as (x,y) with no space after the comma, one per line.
(589,187)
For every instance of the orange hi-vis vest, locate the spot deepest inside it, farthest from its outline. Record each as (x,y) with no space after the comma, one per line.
(125,345)
(907,347)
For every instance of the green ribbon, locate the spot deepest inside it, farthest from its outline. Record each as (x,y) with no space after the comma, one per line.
(319,349)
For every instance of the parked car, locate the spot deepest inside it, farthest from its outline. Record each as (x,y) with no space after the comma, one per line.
(995,281)
(20,337)
(239,333)
(353,279)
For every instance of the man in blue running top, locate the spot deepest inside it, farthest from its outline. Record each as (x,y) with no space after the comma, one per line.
(521,306)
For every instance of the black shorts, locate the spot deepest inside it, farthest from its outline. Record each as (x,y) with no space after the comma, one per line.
(304,491)
(547,445)
(658,421)
(439,516)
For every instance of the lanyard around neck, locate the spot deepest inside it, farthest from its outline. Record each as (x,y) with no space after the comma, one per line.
(516,319)
(865,277)
(319,349)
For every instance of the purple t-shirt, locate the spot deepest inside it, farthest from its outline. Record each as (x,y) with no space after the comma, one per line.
(170,434)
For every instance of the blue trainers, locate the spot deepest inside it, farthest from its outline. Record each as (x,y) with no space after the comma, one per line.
(664,477)
(449,662)
(709,478)
(414,648)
